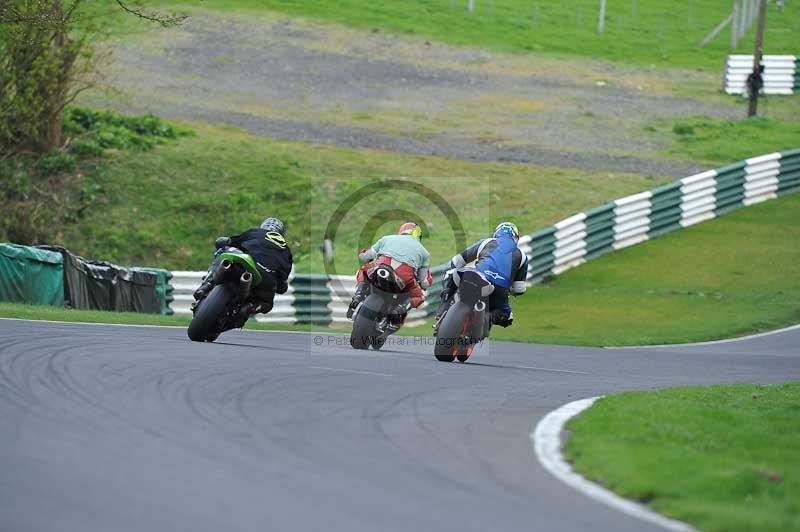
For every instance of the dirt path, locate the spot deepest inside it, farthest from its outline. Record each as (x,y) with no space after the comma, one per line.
(298,81)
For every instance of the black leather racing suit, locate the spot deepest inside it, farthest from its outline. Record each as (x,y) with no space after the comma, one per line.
(272,255)
(273,259)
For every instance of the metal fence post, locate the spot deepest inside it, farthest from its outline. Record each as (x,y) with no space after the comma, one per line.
(735,25)
(601,21)
(744,8)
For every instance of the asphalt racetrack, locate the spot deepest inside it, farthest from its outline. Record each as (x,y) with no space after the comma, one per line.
(108,428)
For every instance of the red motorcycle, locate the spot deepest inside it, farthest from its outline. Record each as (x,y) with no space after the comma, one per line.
(382,312)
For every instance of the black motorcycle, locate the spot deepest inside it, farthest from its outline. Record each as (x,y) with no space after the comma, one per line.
(382,312)
(467,321)
(228,305)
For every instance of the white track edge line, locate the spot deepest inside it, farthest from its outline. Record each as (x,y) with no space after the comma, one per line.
(546,439)
(711,342)
(653,346)
(158,326)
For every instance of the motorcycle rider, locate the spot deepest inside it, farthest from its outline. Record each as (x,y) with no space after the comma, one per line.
(410,260)
(501,262)
(267,245)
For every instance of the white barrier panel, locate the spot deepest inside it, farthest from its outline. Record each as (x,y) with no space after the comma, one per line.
(780,74)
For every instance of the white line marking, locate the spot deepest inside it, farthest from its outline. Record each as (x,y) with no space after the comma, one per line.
(93,323)
(280,331)
(547,445)
(177,326)
(549,369)
(352,371)
(712,342)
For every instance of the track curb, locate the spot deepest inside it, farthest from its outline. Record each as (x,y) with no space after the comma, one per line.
(546,439)
(708,342)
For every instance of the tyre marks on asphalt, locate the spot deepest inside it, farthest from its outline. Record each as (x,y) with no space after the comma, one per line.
(352,371)
(205,430)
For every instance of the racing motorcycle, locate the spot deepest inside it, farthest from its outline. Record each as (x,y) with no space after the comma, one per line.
(382,311)
(467,321)
(227,306)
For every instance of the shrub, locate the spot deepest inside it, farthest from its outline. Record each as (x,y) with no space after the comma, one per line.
(39,193)
(56,163)
(109,129)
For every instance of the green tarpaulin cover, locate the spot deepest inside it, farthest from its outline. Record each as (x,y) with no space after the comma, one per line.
(30,275)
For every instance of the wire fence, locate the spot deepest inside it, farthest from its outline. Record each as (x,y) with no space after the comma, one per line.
(690,22)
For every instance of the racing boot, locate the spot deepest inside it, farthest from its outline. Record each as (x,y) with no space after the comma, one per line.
(203,290)
(447,296)
(359,296)
(398,315)
(244,313)
(264,307)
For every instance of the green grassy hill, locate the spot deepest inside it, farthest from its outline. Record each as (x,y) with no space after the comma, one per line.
(164,207)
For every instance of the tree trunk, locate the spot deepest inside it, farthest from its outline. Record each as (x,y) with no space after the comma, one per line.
(53,116)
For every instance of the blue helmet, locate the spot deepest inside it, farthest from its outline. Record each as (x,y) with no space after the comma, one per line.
(273,224)
(507,230)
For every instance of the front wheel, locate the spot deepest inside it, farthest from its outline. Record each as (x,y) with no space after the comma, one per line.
(204,326)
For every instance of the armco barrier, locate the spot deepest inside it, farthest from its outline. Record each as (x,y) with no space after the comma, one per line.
(781,74)
(311,298)
(322,299)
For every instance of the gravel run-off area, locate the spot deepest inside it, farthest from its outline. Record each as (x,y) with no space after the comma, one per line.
(301,81)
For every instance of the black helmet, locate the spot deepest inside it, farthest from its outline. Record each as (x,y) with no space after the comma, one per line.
(273,224)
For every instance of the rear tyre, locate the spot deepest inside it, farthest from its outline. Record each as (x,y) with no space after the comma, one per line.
(444,358)
(204,325)
(450,333)
(465,353)
(379,342)
(364,323)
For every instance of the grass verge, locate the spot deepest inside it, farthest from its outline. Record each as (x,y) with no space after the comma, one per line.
(718,142)
(723,458)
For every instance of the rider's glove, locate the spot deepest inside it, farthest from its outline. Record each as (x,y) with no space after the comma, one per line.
(503,318)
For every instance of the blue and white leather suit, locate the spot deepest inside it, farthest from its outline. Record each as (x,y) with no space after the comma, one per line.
(502,263)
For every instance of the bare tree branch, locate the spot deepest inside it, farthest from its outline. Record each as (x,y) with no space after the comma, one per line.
(152,16)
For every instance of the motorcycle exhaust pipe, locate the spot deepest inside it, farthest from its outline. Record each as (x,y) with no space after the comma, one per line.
(222,271)
(480,306)
(245,282)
